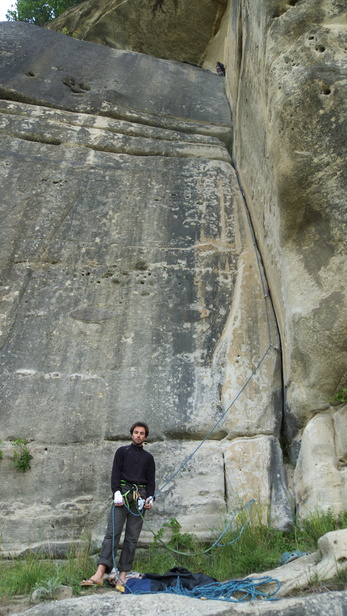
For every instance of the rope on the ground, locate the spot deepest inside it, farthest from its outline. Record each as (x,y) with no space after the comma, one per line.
(248,589)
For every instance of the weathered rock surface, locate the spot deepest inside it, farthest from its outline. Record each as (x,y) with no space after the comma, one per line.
(112,604)
(123,230)
(130,279)
(322,454)
(286,80)
(254,469)
(174,29)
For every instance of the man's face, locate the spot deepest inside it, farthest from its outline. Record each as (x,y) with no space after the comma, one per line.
(138,435)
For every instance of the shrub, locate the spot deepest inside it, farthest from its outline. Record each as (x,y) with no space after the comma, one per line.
(22,456)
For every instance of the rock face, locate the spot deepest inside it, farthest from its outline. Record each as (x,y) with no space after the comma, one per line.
(288,86)
(286,80)
(131,282)
(113,604)
(125,253)
(174,29)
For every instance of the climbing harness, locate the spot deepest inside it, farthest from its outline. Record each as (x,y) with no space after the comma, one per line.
(135,495)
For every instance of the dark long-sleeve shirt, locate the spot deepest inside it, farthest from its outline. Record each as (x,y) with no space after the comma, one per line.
(134,465)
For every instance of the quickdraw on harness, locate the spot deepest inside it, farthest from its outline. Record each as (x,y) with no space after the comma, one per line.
(136,496)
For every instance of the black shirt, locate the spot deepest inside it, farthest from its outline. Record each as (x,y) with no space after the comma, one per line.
(134,465)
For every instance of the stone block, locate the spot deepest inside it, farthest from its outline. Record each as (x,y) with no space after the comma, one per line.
(319,484)
(254,470)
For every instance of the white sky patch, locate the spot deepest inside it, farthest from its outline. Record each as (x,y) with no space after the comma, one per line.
(5,5)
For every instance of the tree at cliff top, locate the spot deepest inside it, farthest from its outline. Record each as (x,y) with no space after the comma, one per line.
(39,12)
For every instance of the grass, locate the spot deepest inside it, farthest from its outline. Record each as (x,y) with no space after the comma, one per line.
(258,549)
(21,576)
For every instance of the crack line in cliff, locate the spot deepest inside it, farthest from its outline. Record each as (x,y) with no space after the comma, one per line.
(225,482)
(266,295)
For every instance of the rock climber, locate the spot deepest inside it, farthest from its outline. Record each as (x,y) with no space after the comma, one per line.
(132,484)
(220,68)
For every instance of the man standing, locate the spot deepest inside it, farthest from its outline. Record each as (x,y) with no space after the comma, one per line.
(132,483)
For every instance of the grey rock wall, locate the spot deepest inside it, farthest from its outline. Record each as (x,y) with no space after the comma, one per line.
(326,604)
(286,82)
(131,289)
(183,28)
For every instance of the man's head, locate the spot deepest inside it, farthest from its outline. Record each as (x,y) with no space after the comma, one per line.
(139,432)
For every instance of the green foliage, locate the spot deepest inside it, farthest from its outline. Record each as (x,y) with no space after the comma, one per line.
(340,397)
(1,452)
(177,541)
(20,576)
(258,549)
(22,456)
(47,591)
(317,524)
(31,572)
(38,12)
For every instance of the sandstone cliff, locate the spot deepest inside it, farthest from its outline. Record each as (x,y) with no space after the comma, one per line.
(173,29)
(125,253)
(132,283)
(286,80)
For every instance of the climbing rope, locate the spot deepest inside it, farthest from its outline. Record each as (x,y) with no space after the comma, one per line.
(216,543)
(266,294)
(249,588)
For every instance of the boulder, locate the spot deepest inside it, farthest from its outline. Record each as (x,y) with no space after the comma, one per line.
(319,481)
(329,561)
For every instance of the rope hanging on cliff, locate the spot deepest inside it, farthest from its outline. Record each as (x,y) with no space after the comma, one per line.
(266,294)
(249,588)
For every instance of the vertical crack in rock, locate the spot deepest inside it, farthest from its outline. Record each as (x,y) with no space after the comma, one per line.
(281,515)
(225,482)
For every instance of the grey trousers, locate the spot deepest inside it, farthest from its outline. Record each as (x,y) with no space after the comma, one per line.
(116,520)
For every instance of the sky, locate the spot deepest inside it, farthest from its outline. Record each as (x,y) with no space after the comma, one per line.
(4,6)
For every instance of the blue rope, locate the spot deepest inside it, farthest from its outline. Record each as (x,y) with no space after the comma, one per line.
(266,294)
(223,545)
(218,422)
(250,589)
(217,542)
